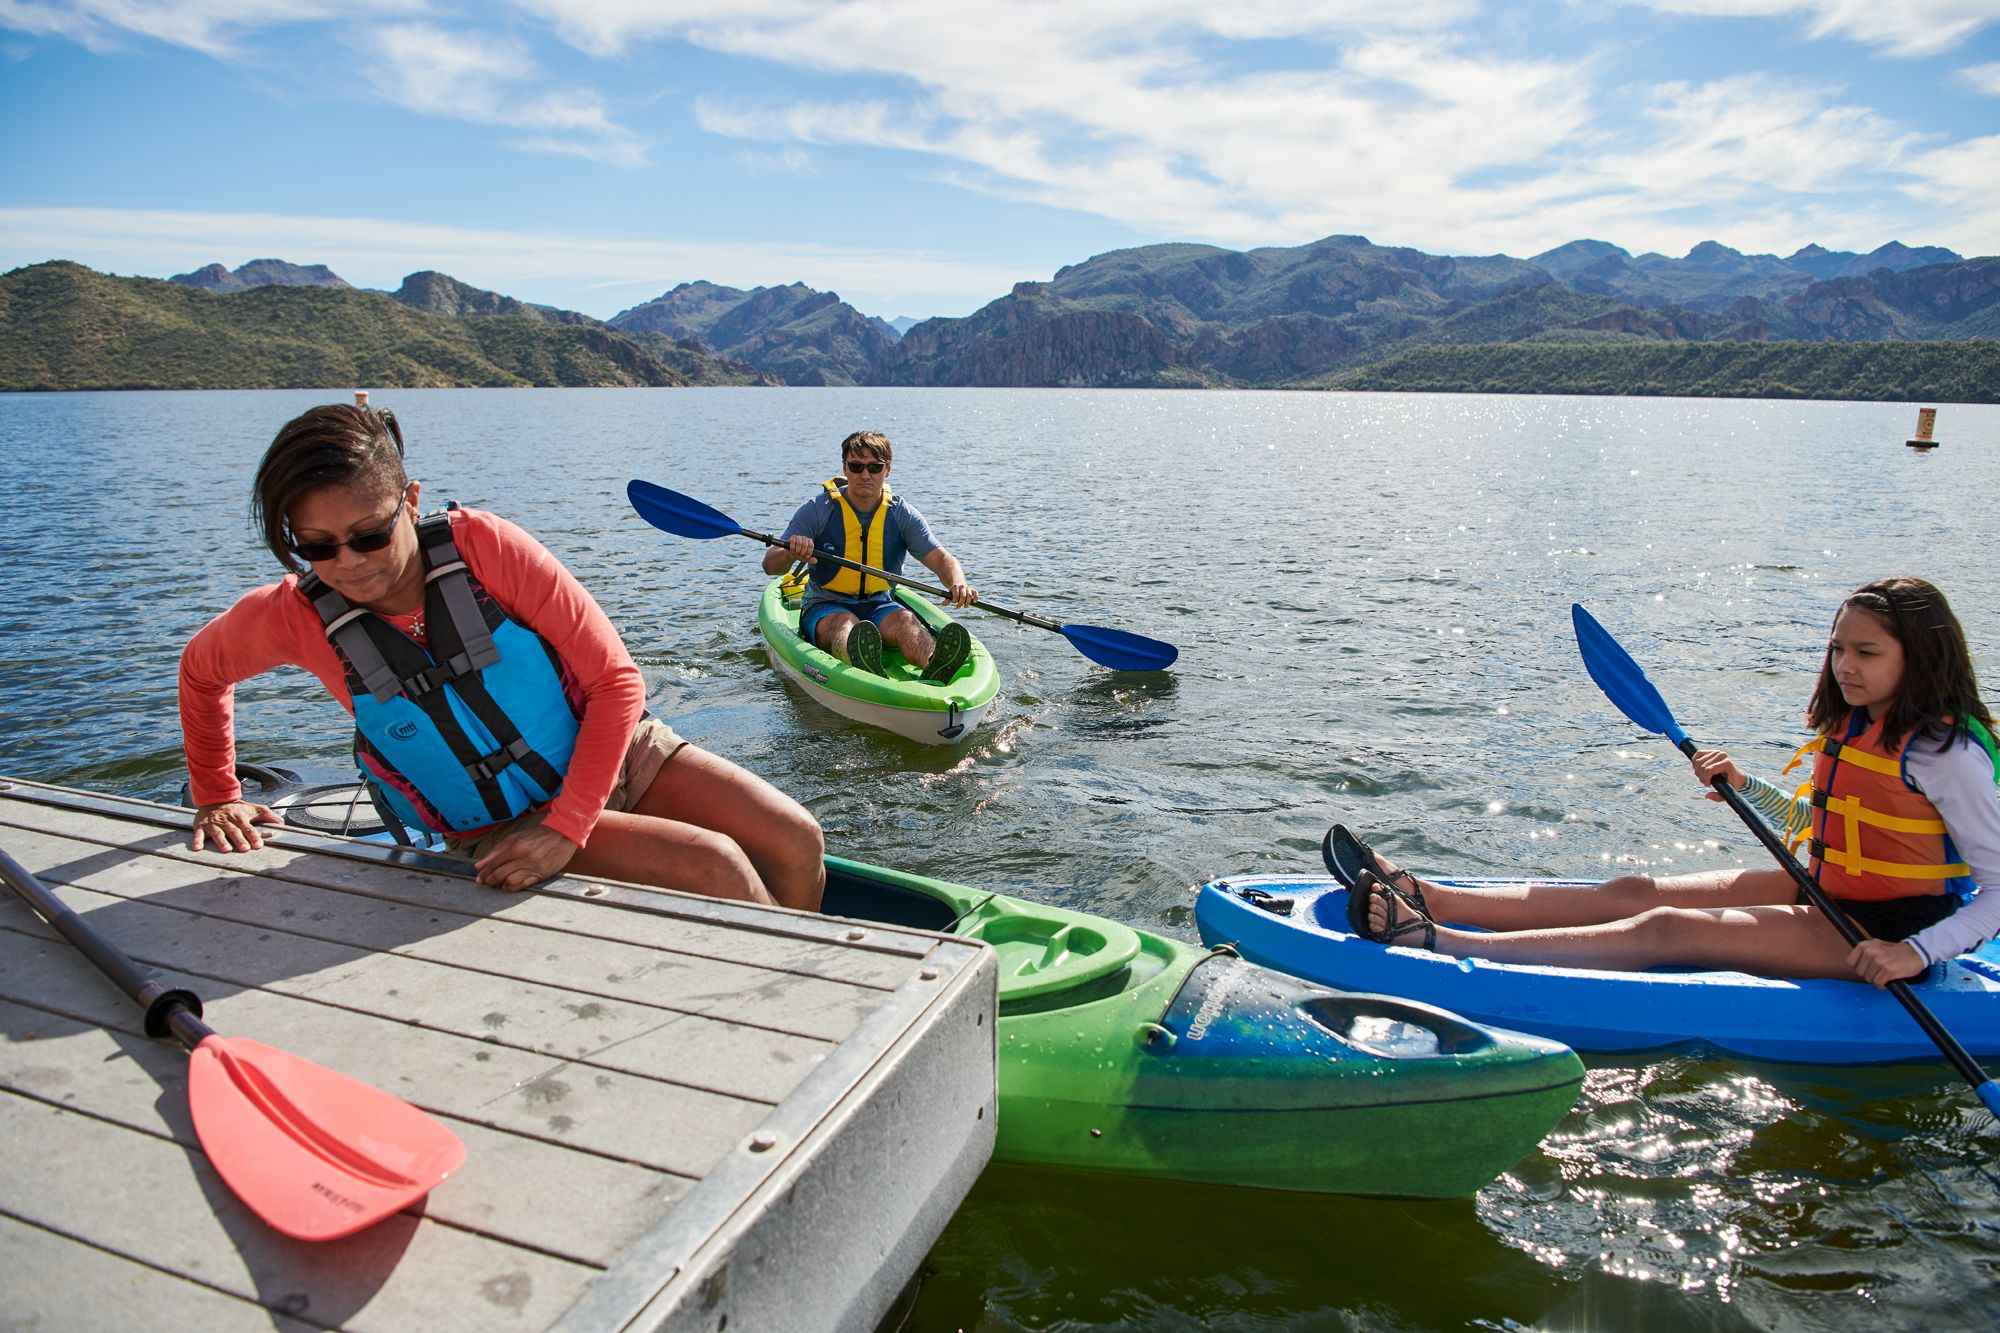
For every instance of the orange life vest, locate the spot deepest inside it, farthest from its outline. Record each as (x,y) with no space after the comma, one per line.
(1874,836)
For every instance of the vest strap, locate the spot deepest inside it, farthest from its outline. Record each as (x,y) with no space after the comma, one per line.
(465,645)
(1866,865)
(1860,758)
(1851,809)
(349,627)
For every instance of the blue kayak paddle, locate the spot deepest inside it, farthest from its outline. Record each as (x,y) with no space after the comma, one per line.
(1626,686)
(685,516)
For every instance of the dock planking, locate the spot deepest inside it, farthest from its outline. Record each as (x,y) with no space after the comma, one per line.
(677,1111)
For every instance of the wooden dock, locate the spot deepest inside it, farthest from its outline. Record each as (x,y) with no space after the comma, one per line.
(679,1113)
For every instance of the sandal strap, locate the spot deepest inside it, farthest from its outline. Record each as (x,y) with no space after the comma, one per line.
(1418,918)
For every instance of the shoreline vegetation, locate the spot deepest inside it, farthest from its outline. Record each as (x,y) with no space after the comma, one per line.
(1926,372)
(1925,334)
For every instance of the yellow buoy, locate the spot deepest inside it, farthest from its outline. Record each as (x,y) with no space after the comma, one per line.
(1926,422)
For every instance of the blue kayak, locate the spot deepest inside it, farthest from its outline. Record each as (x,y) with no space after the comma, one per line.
(1298,924)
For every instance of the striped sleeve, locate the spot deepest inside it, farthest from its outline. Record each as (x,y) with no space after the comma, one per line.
(1790,815)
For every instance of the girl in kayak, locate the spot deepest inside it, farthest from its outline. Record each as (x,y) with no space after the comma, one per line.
(1902,825)
(494,703)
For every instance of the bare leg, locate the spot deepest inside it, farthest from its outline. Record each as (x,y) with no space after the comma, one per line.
(907,635)
(1772,939)
(1534,906)
(708,826)
(831,633)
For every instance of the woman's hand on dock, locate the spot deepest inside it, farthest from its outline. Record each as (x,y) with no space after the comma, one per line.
(231,826)
(524,858)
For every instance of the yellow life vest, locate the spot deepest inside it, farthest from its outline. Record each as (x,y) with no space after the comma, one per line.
(865,548)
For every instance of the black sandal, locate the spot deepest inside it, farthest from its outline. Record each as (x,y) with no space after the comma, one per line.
(1348,858)
(1358,899)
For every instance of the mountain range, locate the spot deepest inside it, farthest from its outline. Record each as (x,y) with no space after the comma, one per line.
(65,326)
(1339,312)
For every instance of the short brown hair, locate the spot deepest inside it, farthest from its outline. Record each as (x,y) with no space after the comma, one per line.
(873,440)
(339,444)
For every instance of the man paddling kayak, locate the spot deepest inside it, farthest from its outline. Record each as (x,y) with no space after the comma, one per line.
(851,614)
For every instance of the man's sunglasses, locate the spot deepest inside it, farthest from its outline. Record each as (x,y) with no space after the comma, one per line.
(857,467)
(361,543)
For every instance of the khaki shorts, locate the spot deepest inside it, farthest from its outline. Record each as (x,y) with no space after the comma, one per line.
(653,743)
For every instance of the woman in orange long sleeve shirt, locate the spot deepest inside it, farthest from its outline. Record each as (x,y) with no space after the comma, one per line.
(536,760)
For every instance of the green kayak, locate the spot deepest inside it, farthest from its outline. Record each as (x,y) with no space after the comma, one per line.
(931,712)
(1124,1051)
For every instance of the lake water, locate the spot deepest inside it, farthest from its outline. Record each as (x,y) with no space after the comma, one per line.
(1371,596)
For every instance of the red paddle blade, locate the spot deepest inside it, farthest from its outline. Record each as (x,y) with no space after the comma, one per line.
(316,1154)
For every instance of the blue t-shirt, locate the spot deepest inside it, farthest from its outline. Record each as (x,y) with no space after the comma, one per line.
(819,518)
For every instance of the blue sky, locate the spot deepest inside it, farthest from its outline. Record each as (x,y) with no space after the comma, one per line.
(921,156)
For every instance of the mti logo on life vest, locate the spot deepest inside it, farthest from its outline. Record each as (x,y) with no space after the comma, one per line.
(403,731)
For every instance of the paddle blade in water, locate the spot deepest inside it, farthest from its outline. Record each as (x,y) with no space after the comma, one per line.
(1121,650)
(682,515)
(316,1154)
(1620,677)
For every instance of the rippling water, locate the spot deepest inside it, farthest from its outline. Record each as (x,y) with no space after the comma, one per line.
(1371,597)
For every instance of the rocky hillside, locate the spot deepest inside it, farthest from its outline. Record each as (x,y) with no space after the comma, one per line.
(259,273)
(1712,277)
(1335,312)
(1170,315)
(64,326)
(442,294)
(797,334)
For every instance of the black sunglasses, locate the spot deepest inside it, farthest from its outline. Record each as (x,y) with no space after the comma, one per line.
(361,543)
(855,465)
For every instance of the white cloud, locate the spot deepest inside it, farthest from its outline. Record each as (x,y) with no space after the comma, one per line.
(1017,28)
(1980,78)
(1962,181)
(1398,122)
(1416,136)
(211,26)
(1900,27)
(556,268)
(488,80)
(1151,137)
(785,162)
(420,66)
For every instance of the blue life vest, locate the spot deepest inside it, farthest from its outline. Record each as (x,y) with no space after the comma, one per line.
(468,733)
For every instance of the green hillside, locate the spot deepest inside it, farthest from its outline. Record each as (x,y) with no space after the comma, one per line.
(64,326)
(1931,372)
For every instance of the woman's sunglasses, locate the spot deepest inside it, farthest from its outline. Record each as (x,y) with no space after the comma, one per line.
(857,467)
(361,543)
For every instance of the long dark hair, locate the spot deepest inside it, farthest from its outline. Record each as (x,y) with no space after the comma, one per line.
(340,444)
(1938,682)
